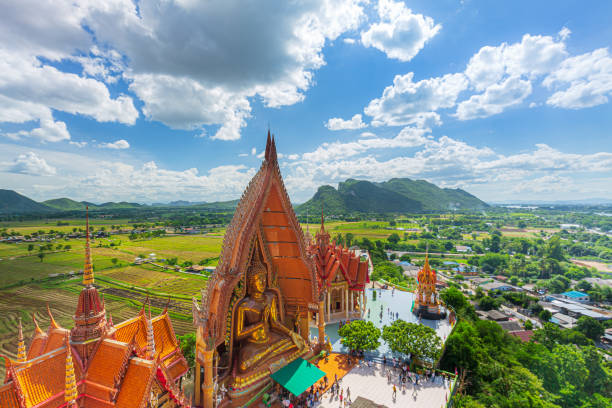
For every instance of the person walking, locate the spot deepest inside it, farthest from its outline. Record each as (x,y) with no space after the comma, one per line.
(348,393)
(394,391)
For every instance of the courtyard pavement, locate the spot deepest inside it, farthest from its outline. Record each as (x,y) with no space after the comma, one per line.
(400,303)
(371,383)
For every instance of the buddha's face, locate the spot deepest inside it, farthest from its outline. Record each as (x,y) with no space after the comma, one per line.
(257,282)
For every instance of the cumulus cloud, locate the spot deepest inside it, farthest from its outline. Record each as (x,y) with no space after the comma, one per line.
(118,145)
(274,55)
(534,55)
(163,48)
(356,122)
(400,33)
(582,81)
(31,164)
(407,102)
(495,99)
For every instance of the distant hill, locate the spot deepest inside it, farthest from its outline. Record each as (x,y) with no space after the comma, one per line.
(12,202)
(217,205)
(393,196)
(65,204)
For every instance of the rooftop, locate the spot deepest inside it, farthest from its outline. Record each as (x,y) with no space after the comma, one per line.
(575,294)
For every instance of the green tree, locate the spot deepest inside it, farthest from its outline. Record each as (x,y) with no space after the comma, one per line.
(360,335)
(545,315)
(188,343)
(590,327)
(488,303)
(41,255)
(114,261)
(405,258)
(415,339)
(30,247)
(348,237)
(495,243)
(393,238)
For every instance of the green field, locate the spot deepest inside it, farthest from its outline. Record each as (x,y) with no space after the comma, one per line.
(192,248)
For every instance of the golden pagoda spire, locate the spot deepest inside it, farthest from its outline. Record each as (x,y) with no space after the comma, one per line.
(37,328)
(70,393)
(21,351)
(52,322)
(88,275)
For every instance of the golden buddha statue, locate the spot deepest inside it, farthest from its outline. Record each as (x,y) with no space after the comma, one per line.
(260,335)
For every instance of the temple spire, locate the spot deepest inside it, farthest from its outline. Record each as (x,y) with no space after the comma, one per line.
(88,275)
(21,351)
(37,329)
(70,393)
(52,321)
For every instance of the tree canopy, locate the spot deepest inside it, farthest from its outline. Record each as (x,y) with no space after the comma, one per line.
(360,335)
(411,338)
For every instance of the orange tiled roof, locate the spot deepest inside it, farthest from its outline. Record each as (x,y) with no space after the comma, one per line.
(135,328)
(136,383)
(331,260)
(165,340)
(176,367)
(8,396)
(56,339)
(44,377)
(37,346)
(107,362)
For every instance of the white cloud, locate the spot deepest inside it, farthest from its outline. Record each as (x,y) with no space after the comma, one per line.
(30,163)
(564,33)
(253,151)
(586,79)
(78,144)
(349,40)
(118,145)
(274,57)
(368,134)
(49,131)
(407,102)
(495,99)
(400,34)
(534,55)
(406,138)
(355,122)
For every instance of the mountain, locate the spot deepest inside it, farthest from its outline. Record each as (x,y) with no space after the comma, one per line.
(393,196)
(65,204)
(12,202)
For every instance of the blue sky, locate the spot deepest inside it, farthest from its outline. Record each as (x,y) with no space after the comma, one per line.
(157,101)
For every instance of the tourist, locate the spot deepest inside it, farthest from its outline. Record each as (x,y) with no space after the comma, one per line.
(394,391)
(340,397)
(348,393)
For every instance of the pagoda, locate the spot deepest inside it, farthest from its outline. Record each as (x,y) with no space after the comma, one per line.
(341,277)
(426,302)
(255,313)
(135,364)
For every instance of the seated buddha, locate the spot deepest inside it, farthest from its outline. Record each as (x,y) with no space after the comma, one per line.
(260,335)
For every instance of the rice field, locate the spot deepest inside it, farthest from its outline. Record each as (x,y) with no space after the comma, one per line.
(192,248)
(156,280)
